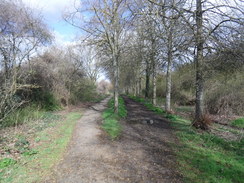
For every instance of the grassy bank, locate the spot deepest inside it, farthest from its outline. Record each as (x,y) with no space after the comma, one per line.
(22,116)
(29,113)
(111,120)
(41,150)
(204,157)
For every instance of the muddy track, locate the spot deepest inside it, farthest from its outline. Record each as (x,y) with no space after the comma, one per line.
(154,137)
(142,154)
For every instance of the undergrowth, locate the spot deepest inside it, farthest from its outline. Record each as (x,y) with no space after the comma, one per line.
(111,120)
(34,164)
(45,100)
(23,115)
(204,157)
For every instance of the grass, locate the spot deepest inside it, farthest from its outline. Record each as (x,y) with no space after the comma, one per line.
(231,130)
(35,164)
(27,114)
(22,115)
(111,120)
(204,157)
(5,162)
(238,122)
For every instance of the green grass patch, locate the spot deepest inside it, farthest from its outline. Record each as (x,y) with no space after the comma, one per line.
(204,157)
(26,114)
(238,122)
(6,162)
(111,120)
(40,103)
(36,164)
(22,115)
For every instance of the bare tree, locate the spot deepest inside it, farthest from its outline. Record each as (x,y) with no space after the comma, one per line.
(205,19)
(225,14)
(106,29)
(169,34)
(21,32)
(91,64)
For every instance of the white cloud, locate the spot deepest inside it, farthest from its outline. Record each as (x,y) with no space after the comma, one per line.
(52,11)
(52,8)
(62,40)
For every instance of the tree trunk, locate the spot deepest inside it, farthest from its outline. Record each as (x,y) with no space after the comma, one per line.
(199,106)
(140,87)
(136,88)
(168,75)
(154,87)
(116,84)
(154,72)
(147,80)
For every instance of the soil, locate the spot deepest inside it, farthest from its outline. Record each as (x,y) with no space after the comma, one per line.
(142,154)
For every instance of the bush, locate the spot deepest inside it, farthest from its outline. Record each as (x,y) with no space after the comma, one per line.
(45,100)
(224,92)
(83,91)
(225,95)
(182,91)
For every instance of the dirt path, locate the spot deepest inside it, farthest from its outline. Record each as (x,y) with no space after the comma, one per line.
(141,155)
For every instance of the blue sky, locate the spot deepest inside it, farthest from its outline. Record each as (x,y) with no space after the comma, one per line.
(52,11)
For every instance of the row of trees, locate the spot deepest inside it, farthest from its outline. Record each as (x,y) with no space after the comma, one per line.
(141,38)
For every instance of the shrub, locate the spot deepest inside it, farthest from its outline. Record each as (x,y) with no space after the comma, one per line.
(46,100)
(226,95)
(84,90)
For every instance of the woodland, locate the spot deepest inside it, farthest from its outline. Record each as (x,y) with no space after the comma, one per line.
(183,59)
